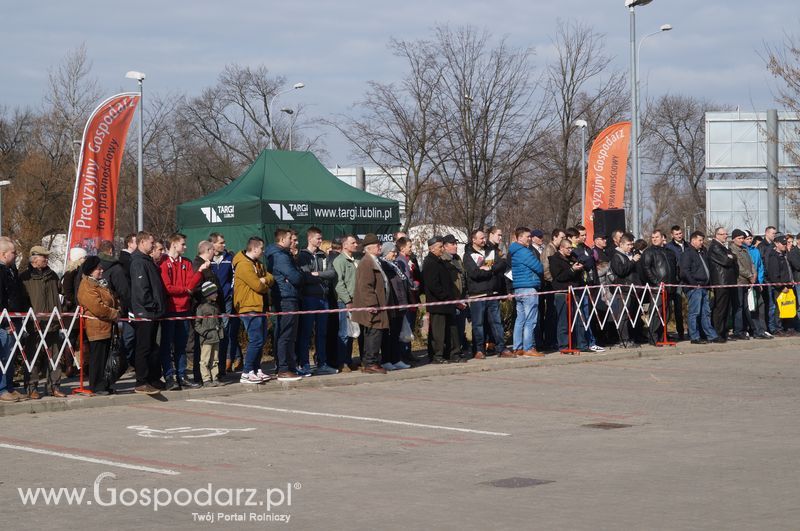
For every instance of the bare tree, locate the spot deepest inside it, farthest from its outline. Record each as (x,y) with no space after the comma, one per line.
(580,84)
(673,146)
(489,118)
(399,128)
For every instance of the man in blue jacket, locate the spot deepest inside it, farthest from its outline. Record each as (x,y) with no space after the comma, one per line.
(695,272)
(527,272)
(286,298)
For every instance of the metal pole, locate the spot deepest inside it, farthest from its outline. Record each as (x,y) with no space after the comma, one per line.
(772,167)
(583,175)
(140,178)
(634,131)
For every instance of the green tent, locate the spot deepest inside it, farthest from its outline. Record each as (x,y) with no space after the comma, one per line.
(286,189)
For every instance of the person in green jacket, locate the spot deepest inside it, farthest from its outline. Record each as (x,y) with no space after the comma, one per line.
(210,331)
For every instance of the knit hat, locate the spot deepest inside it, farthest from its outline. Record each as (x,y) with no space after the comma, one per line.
(737,232)
(76,253)
(208,288)
(747,233)
(387,248)
(90,264)
(370,239)
(780,239)
(449,238)
(537,233)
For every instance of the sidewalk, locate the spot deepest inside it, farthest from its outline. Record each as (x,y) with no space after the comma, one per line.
(126,397)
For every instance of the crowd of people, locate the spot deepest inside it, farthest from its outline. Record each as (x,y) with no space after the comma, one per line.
(157,307)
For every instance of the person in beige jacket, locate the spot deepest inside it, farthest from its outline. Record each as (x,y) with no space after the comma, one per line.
(371,290)
(102,311)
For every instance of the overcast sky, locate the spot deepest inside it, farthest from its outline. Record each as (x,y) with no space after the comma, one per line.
(334,47)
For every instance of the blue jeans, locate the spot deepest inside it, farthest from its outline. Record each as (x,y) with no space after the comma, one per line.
(700,313)
(344,353)
(7,375)
(318,323)
(773,321)
(174,335)
(229,346)
(256,327)
(527,319)
(486,312)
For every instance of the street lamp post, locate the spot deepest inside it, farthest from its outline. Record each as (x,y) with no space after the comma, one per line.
(581,124)
(2,184)
(290,112)
(139,76)
(662,29)
(296,86)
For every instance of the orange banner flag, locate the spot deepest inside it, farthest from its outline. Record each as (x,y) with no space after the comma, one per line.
(94,201)
(605,176)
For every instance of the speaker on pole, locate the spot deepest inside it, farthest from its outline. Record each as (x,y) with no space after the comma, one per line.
(607,221)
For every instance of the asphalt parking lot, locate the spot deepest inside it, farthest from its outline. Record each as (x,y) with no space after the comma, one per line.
(703,440)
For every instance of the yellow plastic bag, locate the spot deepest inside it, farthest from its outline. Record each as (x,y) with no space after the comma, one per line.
(787,305)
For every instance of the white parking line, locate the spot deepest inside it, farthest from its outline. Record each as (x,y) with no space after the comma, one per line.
(117,464)
(351,417)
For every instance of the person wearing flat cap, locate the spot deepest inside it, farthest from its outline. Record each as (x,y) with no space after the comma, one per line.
(371,291)
(42,289)
(102,309)
(439,287)
(742,319)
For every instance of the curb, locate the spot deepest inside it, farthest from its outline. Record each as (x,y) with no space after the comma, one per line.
(49,405)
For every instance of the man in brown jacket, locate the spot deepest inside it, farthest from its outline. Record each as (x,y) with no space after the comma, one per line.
(371,288)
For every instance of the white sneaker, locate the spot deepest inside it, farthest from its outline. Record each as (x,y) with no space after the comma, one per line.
(250,378)
(264,377)
(768,334)
(597,348)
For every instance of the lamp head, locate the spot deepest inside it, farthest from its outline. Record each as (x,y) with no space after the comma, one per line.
(288,111)
(636,3)
(580,123)
(5,183)
(138,76)
(298,85)
(666,27)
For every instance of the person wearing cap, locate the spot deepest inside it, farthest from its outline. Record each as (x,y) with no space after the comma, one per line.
(440,287)
(102,310)
(742,321)
(780,272)
(209,330)
(481,273)
(372,288)
(12,300)
(42,290)
(724,273)
(758,316)
(456,267)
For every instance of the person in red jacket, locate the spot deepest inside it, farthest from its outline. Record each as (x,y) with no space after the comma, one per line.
(179,279)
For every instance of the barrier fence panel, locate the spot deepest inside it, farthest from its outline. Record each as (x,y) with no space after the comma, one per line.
(21,327)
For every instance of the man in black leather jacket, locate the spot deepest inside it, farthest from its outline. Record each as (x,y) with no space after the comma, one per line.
(659,266)
(724,270)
